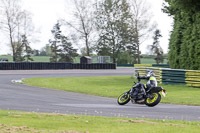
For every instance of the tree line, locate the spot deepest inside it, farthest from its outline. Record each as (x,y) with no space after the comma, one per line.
(184,46)
(114,28)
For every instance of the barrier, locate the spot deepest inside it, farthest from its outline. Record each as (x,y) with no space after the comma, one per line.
(125,65)
(144,65)
(173,76)
(46,65)
(161,65)
(193,78)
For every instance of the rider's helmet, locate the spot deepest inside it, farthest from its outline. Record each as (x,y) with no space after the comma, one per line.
(150,74)
(152,80)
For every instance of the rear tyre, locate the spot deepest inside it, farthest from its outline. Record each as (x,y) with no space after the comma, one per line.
(123,99)
(153,101)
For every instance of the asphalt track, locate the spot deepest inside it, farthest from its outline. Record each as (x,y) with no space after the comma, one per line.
(34,99)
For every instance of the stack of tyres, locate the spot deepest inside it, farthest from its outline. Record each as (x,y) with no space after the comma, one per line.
(46,65)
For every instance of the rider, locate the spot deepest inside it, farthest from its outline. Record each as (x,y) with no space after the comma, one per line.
(150,76)
(152,82)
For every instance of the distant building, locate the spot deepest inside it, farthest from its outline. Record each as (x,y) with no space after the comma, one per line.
(85,60)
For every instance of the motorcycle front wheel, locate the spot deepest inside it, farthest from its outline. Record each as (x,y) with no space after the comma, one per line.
(124,98)
(153,101)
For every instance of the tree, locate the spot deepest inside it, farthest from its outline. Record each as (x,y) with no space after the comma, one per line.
(112,20)
(184,4)
(46,50)
(12,22)
(83,23)
(67,51)
(55,43)
(141,24)
(83,51)
(184,46)
(62,50)
(156,48)
(10,15)
(125,58)
(133,52)
(25,29)
(27,49)
(19,48)
(23,50)
(36,52)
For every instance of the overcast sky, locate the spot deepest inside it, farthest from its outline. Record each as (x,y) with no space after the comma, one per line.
(47,12)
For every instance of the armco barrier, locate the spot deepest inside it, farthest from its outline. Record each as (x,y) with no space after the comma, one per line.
(173,76)
(46,65)
(144,65)
(161,65)
(125,65)
(192,78)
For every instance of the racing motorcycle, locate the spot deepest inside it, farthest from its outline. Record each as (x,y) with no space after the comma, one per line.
(151,98)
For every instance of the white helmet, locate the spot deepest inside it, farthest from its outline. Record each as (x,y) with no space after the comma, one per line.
(150,73)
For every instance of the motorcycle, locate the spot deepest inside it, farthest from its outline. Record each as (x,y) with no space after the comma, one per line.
(151,98)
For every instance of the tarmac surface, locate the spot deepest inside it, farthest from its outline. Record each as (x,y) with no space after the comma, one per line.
(19,97)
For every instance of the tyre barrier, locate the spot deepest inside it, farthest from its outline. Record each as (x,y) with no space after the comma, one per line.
(46,65)
(173,76)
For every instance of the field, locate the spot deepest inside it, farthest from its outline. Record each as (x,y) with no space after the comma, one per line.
(151,61)
(77,60)
(112,86)
(35,58)
(27,122)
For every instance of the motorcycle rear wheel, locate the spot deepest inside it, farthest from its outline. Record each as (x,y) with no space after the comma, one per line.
(123,99)
(153,101)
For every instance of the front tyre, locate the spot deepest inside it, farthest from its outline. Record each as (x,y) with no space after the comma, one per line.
(154,100)
(123,99)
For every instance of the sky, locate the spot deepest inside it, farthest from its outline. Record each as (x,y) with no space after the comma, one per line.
(45,14)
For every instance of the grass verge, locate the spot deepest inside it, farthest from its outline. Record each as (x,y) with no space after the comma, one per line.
(20,122)
(113,86)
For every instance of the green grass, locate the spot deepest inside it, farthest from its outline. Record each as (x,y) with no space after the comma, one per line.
(151,61)
(113,86)
(41,58)
(35,58)
(77,59)
(9,57)
(20,122)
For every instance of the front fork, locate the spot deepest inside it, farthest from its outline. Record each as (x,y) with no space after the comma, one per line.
(131,91)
